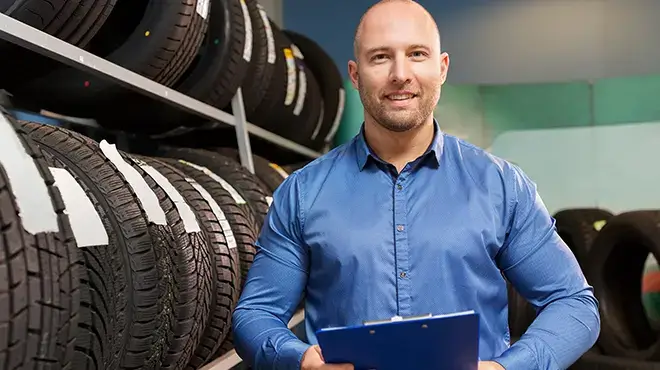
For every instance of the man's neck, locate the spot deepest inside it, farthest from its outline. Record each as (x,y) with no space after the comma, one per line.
(398,148)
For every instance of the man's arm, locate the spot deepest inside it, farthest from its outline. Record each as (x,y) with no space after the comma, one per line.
(274,287)
(543,270)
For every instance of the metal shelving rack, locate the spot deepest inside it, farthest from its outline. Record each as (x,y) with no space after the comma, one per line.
(37,41)
(40,42)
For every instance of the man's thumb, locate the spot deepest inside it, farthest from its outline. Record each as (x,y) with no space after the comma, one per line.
(318,350)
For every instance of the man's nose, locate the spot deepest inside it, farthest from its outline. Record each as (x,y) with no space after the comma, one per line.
(401,72)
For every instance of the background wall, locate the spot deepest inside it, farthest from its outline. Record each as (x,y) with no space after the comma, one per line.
(567,89)
(511,41)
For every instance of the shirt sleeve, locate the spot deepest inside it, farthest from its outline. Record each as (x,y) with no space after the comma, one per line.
(274,286)
(542,268)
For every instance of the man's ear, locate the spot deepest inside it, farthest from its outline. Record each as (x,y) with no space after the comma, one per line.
(444,66)
(353,73)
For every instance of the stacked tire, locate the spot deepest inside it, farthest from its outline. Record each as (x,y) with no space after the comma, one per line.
(113,260)
(612,251)
(207,50)
(615,266)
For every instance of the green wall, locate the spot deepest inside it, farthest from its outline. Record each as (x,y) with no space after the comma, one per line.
(479,113)
(586,144)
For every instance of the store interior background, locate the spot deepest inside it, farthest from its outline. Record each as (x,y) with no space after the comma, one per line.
(566,89)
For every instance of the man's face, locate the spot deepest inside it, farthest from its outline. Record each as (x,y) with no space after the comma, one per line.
(400,69)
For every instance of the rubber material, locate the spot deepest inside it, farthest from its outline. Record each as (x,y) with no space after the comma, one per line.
(263,168)
(241,220)
(221,68)
(248,185)
(614,267)
(262,65)
(123,307)
(329,80)
(212,277)
(579,227)
(161,47)
(39,274)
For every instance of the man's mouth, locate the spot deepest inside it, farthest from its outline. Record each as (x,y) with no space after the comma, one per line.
(400,96)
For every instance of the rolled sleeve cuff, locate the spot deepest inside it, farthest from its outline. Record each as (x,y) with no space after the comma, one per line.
(290,355)
(518,357)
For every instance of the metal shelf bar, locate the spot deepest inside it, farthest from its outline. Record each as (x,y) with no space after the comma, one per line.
(242,137)
(52,47)
(231,358)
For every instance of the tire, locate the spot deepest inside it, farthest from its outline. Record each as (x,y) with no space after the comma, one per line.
(277,87)
(521,313)
(264,55)
(330,83)
(614,267)
(124,310)
(293,98)
(214,275)
(307,113)
(85,21)
(218,74)
(579,227)
(291,168)
(160,46)
(245,187)
(269,173)
(35,13)
(595,361)
(243,226)
(38,258)
(190,257)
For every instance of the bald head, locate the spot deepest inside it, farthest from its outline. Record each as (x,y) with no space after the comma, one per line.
(384,11)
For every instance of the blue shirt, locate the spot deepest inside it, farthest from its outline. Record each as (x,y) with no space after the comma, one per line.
(362,242)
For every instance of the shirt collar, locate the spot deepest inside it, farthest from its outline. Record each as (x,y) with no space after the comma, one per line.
(364,152)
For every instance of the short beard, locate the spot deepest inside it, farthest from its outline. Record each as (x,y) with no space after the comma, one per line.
(394,121)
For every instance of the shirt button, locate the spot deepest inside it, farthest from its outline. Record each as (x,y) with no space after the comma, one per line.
(398,186)
(402,274)
(400,227)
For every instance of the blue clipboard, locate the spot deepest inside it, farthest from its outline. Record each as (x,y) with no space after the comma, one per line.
(448,342)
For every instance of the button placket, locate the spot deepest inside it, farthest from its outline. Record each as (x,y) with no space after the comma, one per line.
(401,247)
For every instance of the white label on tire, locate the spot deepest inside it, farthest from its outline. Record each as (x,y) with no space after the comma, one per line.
(225,185)
(86,224)
(217,211)
(190,223)
(279,170)
(247,49)
(272,55)
(143,192)
(28,187)
(340,111)
(296,52)
(302,92)
(202,8)
(319,122)
(291,76)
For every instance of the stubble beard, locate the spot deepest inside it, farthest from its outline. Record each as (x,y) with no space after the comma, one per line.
(398,120)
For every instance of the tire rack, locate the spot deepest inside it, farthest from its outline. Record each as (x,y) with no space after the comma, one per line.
(40,42)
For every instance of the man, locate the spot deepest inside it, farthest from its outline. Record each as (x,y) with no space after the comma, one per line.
(406,220)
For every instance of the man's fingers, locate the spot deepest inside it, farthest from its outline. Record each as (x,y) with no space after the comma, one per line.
(340,367)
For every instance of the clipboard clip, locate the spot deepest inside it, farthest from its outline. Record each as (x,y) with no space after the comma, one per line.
(397,318)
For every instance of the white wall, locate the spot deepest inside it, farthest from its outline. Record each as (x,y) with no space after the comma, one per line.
(610,167)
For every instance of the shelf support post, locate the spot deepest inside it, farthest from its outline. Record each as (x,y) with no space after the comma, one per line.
(242,136)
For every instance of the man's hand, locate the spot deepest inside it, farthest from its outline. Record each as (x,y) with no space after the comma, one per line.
(313,360)
(490,365)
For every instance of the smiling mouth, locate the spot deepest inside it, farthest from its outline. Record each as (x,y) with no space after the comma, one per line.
(400,97)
